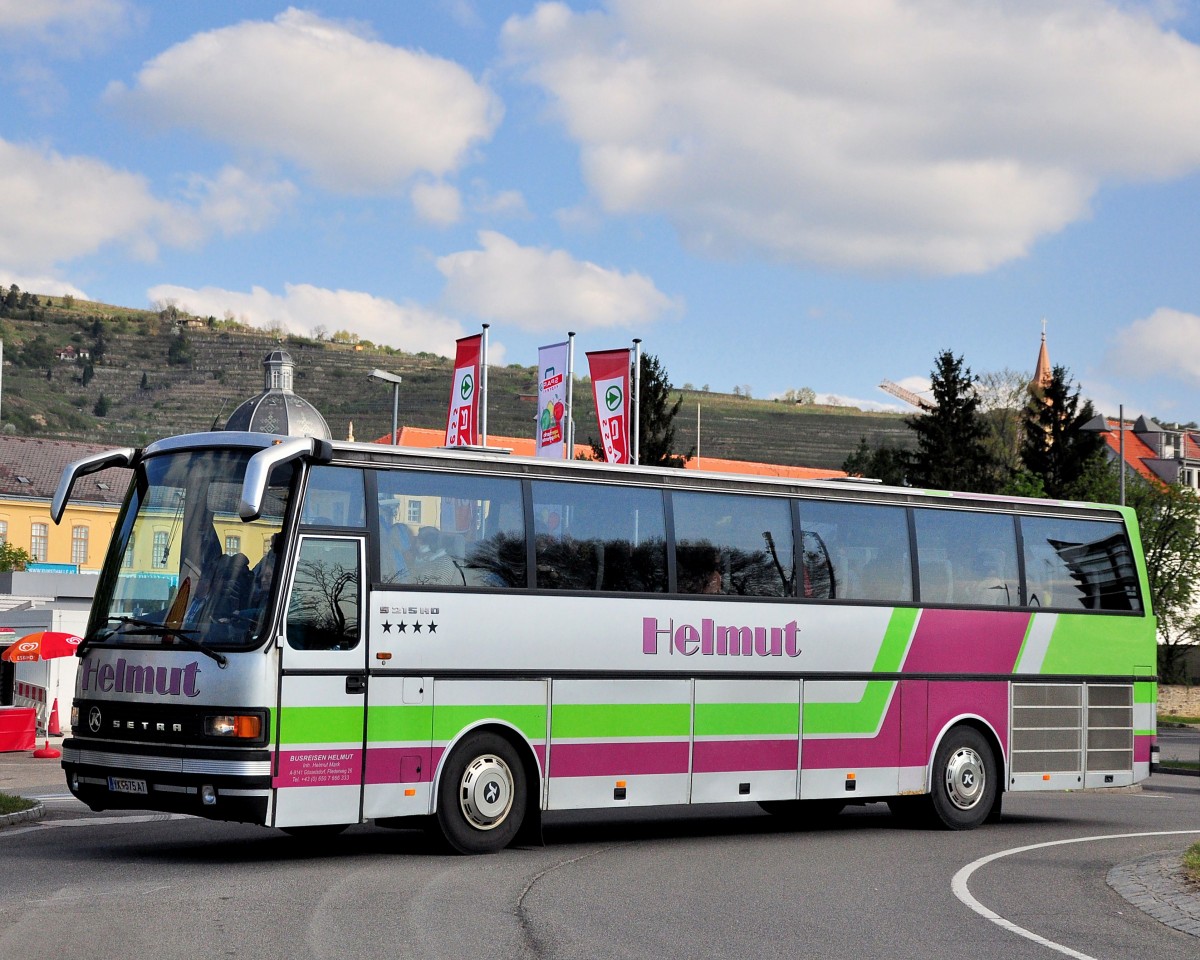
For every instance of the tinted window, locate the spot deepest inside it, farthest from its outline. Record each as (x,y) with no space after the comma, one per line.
(323,609)
(854,551)
(1079,564)
(967,558)
(334,497)
(594,537)
(737,545)
(467,531)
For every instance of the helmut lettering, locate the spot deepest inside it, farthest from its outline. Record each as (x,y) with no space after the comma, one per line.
(710,639)
(123,677)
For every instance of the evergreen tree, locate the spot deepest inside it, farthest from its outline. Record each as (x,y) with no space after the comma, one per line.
(951,452)
(1054,445)
(101,407)
(884,463)
(656,417)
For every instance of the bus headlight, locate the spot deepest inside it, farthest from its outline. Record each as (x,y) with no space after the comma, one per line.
(236,726)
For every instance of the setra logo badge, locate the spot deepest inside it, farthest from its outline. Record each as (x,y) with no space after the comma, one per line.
(94,719)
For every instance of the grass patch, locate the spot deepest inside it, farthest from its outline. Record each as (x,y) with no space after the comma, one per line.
(11,804)
(1191,863)
(1179,765)
(1172,718)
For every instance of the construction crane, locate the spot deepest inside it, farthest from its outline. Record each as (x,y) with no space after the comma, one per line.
(907,395)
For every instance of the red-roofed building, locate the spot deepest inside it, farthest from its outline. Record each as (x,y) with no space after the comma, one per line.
(522,446)
(1154,452)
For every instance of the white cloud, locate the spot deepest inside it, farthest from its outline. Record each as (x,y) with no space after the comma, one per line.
(63,22)
(437,203)
(360,115)
(539,290)
(41,285)
(59,208)
(302,308)
(929,135)
(1164,344)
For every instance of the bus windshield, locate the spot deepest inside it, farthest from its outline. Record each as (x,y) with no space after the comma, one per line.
(191,569)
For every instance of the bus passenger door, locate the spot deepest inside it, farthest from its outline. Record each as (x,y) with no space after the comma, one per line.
(318,771)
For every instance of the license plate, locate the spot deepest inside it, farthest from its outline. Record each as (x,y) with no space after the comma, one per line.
(121,785)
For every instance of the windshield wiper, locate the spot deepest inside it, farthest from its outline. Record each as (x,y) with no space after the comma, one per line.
(137,625)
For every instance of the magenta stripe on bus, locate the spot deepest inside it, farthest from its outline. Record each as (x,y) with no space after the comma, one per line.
(319,768)
(966,641)
(729,756)
(617,759)
(927,707)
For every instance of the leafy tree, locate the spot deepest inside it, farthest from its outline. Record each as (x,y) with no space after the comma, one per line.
(102,406)
(12,297)
(1054,444)
(12,557)
(37,352)
(885,463)
(1168,516)
(179,353)
(1002,398)
(951,453)
(88,373)
(145,384)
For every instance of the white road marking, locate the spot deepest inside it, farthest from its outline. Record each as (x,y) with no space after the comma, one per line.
(959,884)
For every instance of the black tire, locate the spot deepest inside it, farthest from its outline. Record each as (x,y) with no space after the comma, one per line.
(482,795)
(965,780)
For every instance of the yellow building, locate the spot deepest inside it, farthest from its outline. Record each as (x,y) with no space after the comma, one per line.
(29,472)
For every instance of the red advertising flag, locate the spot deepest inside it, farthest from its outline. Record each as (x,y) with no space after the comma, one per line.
(462,421)
(610,389)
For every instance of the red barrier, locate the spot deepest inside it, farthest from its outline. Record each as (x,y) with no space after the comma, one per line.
(18,728)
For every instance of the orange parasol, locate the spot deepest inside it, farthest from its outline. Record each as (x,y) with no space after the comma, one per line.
(45,645)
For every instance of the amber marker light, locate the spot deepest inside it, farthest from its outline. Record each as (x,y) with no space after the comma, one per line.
(383,655)
(410,792)
(235,726)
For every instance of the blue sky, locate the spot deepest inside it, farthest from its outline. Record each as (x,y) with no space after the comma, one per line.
(771,195)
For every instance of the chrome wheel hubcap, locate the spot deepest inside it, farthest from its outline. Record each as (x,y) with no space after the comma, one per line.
(966,778)
(486,792)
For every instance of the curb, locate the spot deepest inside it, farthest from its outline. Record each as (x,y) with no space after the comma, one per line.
(36,812)
(1156,886)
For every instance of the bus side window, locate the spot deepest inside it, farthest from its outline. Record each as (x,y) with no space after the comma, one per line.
(733,544)
(334,497)
(967,558)
(1079,564)
(597,537)
(863,552)
(323,613)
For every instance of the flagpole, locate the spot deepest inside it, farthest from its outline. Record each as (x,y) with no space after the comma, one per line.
(483,365)
(570,431)
(637,398)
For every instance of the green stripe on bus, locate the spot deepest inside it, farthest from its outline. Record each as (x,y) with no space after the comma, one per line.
(321,725)
(747,719)
(1086,643)
(449,721)
(610,720)
(409,722)
(1144,692)
(866,715)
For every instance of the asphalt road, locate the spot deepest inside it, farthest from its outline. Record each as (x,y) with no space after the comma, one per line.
(1179,743)
(703,882)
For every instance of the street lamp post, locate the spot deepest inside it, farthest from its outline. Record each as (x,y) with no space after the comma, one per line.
(382,376)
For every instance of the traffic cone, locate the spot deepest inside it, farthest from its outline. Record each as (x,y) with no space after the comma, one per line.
(53,727)
(47,752)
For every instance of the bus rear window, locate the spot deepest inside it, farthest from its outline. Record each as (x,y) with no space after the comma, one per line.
(1079,565)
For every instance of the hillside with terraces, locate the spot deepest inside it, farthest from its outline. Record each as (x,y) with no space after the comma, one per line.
(104,374)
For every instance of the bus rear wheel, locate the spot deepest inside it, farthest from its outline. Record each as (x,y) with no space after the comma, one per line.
(482,795)
(964,780)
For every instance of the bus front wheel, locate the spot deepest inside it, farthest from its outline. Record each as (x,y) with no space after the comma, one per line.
(482,795)
(964,779)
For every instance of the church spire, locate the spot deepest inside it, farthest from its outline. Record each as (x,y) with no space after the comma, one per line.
(1043,374)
